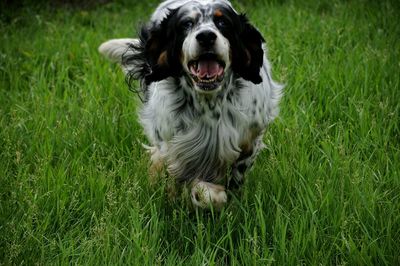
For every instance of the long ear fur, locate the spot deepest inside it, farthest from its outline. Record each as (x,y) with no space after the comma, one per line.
(160,50)
(248,55)
(154,56)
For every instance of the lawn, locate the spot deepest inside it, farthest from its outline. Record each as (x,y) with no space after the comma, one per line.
(73,175)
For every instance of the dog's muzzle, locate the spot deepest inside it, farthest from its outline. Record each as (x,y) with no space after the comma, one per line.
(207,71)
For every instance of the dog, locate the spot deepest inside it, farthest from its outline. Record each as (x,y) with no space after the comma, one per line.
(207,93)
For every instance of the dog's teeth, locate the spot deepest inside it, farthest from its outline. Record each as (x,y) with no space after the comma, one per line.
(209,80)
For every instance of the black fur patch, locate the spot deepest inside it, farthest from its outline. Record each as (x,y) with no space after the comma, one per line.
(157,55)
(246,44)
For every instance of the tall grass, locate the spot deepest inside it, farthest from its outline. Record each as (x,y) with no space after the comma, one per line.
(73,176)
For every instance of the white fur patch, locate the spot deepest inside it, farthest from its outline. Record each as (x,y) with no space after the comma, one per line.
(115,48)
(207,195)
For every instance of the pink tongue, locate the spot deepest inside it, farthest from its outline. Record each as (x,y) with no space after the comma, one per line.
(208,68)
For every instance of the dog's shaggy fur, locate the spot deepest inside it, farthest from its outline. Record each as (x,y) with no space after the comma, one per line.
(207,91)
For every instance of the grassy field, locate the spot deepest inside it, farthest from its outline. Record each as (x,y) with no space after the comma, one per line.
(73,176)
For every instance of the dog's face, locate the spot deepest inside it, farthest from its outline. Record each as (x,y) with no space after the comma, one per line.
(205,50)
(203,42)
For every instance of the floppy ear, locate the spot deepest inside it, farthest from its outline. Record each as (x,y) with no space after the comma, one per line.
(153,57)
(160,50)
(249,55)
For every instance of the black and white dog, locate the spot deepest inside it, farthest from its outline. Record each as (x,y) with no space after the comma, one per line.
(207,91)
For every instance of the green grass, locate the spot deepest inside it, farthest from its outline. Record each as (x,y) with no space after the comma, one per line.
(73,175)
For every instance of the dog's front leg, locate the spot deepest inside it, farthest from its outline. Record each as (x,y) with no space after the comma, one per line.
(245,161)
(207,195)
(157,164)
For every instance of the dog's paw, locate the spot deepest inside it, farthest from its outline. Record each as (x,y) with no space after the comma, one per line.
(207,195)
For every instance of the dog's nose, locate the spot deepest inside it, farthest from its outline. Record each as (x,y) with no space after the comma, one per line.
(206,38)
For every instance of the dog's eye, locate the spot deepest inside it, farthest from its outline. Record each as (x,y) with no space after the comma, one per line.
(187,24)
(220,22)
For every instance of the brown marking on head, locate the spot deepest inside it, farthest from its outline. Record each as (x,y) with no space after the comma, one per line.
(163,59)
(218,13)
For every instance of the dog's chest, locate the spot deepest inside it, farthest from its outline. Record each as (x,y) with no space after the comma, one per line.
(235,117)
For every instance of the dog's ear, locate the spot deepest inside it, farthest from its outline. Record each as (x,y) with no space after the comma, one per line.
(160,49)
(248,53)
(153,56)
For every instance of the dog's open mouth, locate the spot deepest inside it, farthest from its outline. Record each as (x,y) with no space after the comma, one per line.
(207,71)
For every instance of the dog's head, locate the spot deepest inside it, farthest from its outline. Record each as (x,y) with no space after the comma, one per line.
(204,42)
